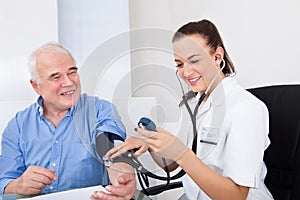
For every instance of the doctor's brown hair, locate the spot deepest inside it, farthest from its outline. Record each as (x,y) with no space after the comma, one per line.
(209,32)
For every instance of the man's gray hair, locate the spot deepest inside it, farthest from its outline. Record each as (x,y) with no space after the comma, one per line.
(50,47)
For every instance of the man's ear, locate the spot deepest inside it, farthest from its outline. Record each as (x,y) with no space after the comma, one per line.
(35,86)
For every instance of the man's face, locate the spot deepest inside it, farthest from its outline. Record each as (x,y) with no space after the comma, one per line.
(59,83)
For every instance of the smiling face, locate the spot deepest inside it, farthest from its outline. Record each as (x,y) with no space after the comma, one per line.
(59,82)
(196,64)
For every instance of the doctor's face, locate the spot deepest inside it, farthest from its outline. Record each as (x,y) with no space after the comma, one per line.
(59,83)
(194,62)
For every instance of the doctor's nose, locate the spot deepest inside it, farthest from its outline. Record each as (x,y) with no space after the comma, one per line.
(187,70)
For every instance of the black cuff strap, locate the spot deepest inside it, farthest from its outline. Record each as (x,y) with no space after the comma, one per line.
(105,142)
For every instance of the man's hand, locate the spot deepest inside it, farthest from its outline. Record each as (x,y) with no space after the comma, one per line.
(123,184)
(32,181)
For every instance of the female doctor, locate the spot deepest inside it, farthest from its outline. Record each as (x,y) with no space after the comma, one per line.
(232,124)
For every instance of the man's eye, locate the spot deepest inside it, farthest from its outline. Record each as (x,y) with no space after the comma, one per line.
(73,73)
(55,78)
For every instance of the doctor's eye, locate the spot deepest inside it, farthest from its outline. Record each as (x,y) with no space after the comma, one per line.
(194,61)
(179,65)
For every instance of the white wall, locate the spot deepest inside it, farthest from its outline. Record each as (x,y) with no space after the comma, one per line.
(262,37)
(25,25)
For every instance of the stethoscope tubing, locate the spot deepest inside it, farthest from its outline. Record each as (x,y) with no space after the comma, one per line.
(143,173)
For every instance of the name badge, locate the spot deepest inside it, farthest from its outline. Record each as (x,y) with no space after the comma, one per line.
(209,135)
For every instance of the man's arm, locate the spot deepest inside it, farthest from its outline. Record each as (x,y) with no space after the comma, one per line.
(32,181)
(15,178)
(123,183)
(121,175)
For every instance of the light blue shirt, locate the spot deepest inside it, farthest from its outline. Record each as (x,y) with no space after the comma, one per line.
(70,148)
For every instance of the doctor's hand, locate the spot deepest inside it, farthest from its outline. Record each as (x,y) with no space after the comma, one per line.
(32,181)
(136,143)
(163,143)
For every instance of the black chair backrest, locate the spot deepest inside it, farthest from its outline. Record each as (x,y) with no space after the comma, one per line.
(282,157)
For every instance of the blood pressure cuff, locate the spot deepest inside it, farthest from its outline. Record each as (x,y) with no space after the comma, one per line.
(106,141)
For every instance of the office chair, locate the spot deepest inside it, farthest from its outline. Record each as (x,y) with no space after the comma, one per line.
(282,157)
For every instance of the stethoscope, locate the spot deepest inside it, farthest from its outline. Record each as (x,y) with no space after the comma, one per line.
(142,173)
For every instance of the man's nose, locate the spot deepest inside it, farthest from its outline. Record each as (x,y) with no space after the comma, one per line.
(66,81)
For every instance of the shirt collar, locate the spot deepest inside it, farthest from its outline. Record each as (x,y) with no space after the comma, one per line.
(39,105)
(218,95)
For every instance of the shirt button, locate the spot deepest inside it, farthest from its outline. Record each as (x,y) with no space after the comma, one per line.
(51,187)
(56,142)
(53,164)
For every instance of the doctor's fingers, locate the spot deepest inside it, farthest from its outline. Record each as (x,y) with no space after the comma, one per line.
(162,140)
(159,134)
(138,145)
(116,151)
(146,133)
